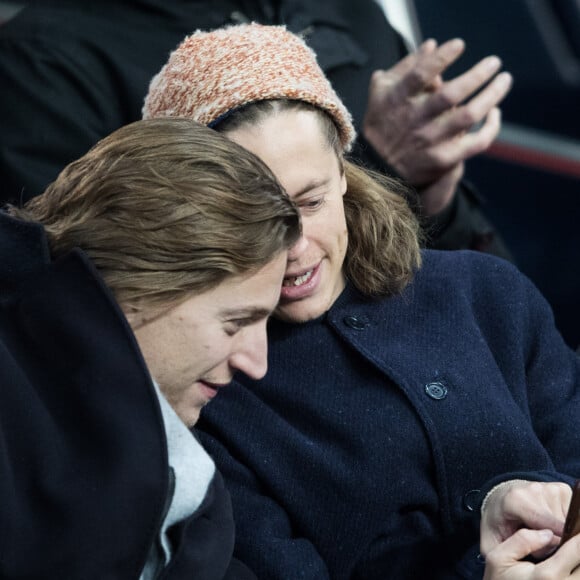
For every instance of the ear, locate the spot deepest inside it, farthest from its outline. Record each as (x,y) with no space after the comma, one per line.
(142,313)
(133,315)
(343,183)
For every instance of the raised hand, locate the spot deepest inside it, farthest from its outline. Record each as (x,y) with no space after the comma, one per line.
(423,126)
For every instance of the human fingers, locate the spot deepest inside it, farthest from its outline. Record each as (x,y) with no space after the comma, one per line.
(426,67)
(517,504)
(406,64)
(563,564)
(460,128)
(466,116)
(567,558)
(457,90)
(447,153)
(435,85)
(539,505)
(504,561)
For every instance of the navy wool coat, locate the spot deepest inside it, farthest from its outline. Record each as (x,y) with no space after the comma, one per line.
(366,450)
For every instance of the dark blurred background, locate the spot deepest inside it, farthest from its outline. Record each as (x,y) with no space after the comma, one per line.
(531,176)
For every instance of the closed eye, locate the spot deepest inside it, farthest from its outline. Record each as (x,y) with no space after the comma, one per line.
(231,327)
(312,204)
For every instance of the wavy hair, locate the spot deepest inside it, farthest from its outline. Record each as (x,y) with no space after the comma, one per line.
(165,208)
(383,232)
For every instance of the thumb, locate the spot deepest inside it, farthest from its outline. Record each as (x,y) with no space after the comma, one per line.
(523,543)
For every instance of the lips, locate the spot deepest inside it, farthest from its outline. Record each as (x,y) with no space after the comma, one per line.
(297,280)
(210,390)
(301,285)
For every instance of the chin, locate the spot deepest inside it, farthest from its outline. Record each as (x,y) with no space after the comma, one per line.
(300,311)
(190,416)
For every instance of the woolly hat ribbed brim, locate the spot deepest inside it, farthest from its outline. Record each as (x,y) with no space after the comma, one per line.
(212,73)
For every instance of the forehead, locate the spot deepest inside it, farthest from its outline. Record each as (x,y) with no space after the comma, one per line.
(257,291)
(293,144)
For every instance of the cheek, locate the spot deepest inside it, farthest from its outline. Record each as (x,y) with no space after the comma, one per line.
(342,234)
(343,183)
(186,347)
(340,221)
(343,244)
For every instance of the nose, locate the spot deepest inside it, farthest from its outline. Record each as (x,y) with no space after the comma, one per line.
(298,248)
(251,353)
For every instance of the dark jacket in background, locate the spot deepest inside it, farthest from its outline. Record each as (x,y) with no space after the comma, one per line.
(83,456)
(72,72)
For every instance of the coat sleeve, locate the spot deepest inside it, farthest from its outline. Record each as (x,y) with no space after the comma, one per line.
(462,225)
(206,541)
(266,540)
(553,378)
(542,371)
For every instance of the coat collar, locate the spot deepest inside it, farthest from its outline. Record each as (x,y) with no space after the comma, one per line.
(23,249)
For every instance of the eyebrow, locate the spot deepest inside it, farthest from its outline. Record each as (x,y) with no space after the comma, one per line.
(312,184)
(248,312)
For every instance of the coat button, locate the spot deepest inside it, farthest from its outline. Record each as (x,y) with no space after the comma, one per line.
(471,500)
(436,390)
(356,322)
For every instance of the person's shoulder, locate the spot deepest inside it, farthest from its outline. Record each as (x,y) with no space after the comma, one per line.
(462,263)
(480,275)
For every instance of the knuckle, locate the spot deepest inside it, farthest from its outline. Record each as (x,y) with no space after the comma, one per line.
(444,99)
(388,86)
(418,78)
(380,79)
(377,76)
(536,486)
(526,534)
(439,157)
(518,493)
(465,117)
(421,139)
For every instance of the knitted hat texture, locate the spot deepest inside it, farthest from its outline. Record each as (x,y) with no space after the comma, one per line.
(212,73)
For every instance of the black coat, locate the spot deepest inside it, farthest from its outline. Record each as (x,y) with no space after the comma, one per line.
(83,454)
(72,72)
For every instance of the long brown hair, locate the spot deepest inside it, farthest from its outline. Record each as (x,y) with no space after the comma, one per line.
(165,208)
(383,249)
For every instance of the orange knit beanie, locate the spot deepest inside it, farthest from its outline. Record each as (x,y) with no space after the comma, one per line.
(212,73)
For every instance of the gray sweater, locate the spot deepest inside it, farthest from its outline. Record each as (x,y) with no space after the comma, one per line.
(192,470)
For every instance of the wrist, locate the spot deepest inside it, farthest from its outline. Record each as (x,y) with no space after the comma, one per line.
(503,486)
(436,199)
